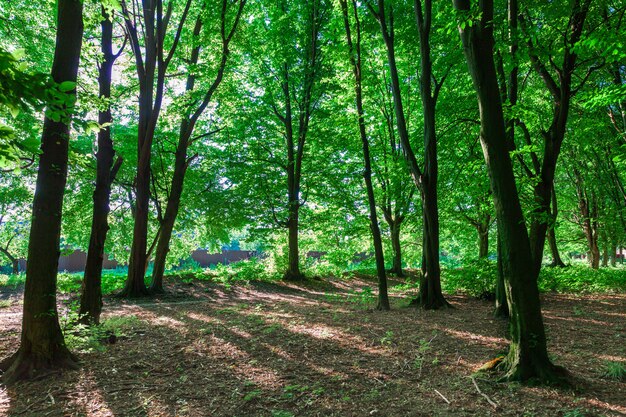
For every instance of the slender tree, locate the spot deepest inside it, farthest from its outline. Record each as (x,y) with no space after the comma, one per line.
(106,170)
(151,62)
(354,49)
(42,344)
(528,355)
(185,139)
(430,296)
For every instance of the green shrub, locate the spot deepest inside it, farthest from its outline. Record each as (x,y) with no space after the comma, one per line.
(476,278)
(582,279)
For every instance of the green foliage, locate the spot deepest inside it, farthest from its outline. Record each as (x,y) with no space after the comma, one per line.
(582,279)
(476,278)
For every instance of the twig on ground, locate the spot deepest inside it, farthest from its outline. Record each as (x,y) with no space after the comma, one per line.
(441,395)
(493,404)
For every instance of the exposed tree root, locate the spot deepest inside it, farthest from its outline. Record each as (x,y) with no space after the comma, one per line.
(24,365)
(294,277)
(436,303)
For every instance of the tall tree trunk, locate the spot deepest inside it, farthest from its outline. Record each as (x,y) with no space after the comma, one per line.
(562,92)
(293,268)
(91,293)
(355,61)
(430,294)
(528,355)
(181,162)
(169,219)
(151,62)
(42,345)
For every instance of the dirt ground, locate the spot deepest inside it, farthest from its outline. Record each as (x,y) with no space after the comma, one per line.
(320,349)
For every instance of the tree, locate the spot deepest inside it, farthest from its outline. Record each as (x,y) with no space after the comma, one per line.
(42,345)
(106,171)
(430,295)
(528,356)
(354,50)
(188,123)
(152,60)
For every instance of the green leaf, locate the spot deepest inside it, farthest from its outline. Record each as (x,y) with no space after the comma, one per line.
(67,86)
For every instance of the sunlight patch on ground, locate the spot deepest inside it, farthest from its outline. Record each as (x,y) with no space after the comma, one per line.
(602,404)
(574,319)
(495,342)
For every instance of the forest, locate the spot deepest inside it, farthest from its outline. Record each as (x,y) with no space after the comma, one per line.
(418,208)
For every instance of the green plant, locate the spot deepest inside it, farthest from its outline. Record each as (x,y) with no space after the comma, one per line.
(5,303)
(387,339)
(615,370)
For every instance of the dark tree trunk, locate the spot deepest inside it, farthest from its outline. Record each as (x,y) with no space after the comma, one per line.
(483,239)
(152,62)
(396,266)
(293,268)
(562,92)
(91,293)
(554,249)
(185,139)
(15,264)
(502,306)
(430,296)
(167,224)
(355,61)
(42,345)
(528,356)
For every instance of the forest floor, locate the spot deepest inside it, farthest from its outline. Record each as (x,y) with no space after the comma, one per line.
(320,349)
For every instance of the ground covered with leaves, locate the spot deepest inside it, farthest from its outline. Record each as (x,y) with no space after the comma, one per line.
(318,349)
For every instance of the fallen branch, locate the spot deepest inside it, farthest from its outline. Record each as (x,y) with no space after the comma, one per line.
(493,404)
(441,395)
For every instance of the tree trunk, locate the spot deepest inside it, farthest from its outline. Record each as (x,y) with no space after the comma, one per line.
(612,255)
(430,296)
(483,240)
(152,62)
(396,266)
(293,268)
(15,265)
(91,293)
(528,355)
(502,306)
(554,249)
(42,345)
(167,224)
(355,61)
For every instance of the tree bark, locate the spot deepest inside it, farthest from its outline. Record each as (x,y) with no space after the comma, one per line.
(394,229)
(15,265)
(430,296)
(502,307)
(152,62)
(91,292)
(528,356)
(483,238)
(42,345)
(355,61)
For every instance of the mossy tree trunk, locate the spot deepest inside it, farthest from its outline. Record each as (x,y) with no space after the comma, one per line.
(528,356)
